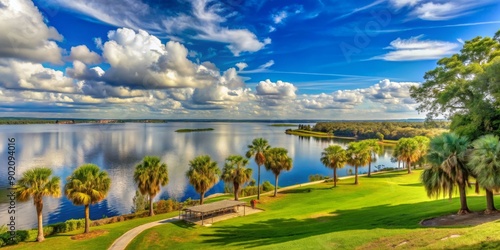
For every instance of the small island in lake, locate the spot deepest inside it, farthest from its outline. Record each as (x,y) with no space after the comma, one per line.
(185,130)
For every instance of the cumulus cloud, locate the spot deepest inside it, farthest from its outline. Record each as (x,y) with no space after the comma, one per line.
(276,90)
(83,54)
(25,35)
(16,74)
(389,92)
(415,48)
(140,60)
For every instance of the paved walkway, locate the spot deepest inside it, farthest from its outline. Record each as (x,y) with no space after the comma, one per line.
(122,242)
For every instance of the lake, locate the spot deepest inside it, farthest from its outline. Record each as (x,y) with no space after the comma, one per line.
(118,148)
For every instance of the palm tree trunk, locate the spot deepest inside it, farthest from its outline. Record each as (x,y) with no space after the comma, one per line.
(356,175)
(464,209)
(334,177)
(39,207)
(258,183)
(236,186)
(202,195)
(87,218)
(490,202)
(151,210)
(408,165)
(275,185)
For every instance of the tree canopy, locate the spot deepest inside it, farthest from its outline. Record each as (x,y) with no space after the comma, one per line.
(150,175)
(465,88)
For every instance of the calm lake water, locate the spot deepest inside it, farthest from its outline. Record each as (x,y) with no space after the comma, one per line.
(118,148)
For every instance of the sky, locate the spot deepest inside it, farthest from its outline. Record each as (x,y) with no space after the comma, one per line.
(231,59)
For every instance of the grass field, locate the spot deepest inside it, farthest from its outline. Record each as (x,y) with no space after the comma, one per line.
(382,212)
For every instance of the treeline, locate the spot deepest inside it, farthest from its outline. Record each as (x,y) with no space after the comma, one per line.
(381,130)
(16,121)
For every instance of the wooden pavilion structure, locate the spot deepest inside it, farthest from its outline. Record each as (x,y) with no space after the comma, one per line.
(198,212)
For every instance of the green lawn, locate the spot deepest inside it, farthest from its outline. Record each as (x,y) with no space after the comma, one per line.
(380,213)
(114,230)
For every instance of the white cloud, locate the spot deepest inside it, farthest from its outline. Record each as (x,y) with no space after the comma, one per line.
(16,74)
(83,54)
(398,4)
(120,13)
(140,60)
(414,49)
(266,65)
(25,35)
(276,90)
(207,20)
(441,10)
(390,92)
(279,17)
(241,66)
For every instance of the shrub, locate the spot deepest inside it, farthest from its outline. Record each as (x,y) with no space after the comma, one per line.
(317,177)
(2,243)
(267,186)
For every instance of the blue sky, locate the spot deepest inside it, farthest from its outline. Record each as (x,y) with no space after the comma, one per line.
(227,59)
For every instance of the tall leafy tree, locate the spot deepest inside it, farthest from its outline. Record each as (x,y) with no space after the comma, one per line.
(203,174)
(407,151)
(485,163)
(374,148)
(358,155)
(461,88)
(37,183)
(334,157)
(236,173)
(87,185)
(448,152)
(258,149)
(277,160)
(150,176)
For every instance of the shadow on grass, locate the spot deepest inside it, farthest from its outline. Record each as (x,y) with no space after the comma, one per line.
(487,245)
(274,231)
(184,224)
(387,175)
(412,185)
(297,191)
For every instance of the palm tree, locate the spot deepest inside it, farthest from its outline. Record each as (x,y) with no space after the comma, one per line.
(277,160)
(485,163)
(258,148)
(422,148)
(374,148)
(37,183)
(436,181)
(334,157)
(150,176)
(407,151)
(448,152)
(203,174)
(87,185)
(358,155)
(236,173)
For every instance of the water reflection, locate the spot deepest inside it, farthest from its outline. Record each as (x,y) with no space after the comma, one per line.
(118,148)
